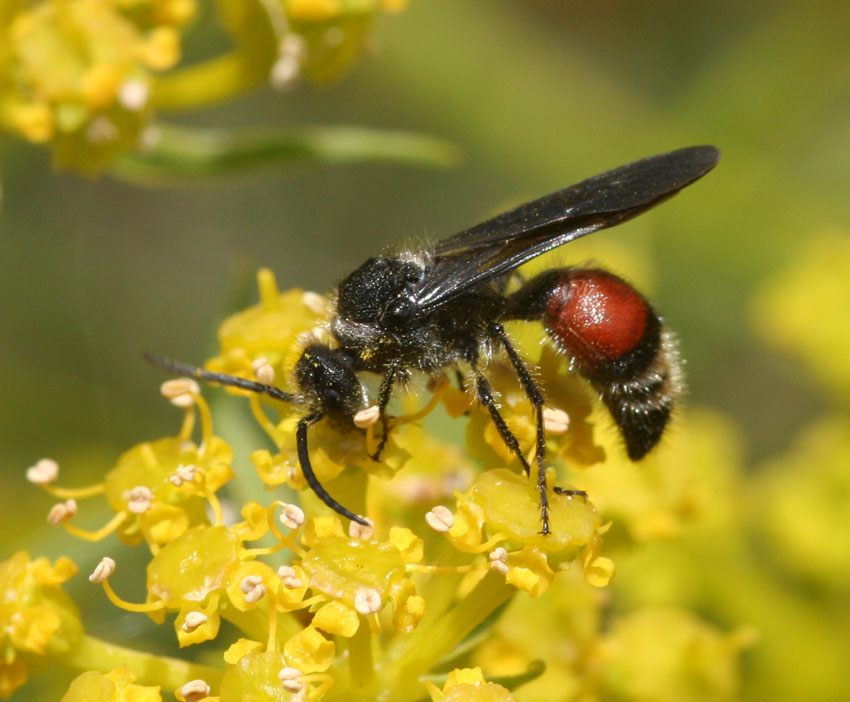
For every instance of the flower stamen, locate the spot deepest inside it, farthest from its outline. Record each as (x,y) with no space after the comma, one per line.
(194,691)
(253,588)
(440,519)
(61,512)
(359,531)
(99,534)
(193,620)
(555,421)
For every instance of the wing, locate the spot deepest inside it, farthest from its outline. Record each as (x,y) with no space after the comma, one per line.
(473,257)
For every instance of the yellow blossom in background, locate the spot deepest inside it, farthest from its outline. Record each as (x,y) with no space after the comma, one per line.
(37,618)
(114,686)
(666,655)
(78,74)
(289,40)
(90,79)
(468,685)
(452,565)
(802,498)
(805,310)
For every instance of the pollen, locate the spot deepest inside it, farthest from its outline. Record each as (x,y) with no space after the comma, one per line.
(253,588)
(133,95)
(62,512)
(314,302)
(183,474)
(263,371)
(102,570)
(139,499)
(289,577)
(289,676)
(367,417)
(368,601)
(499,560)
(286,70)
(43,472)
(291,516)
(101,130)
(360,531)
(555,421)
(193,620)
(195,691)
(181,392)
(440,519)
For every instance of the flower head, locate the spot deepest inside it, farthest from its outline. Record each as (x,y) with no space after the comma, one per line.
(37,618)
(78,74)
(115,686)
(445,548)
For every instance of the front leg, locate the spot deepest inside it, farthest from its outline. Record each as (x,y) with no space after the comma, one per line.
(384,395)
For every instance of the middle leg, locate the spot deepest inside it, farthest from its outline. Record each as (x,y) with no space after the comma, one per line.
(535,396)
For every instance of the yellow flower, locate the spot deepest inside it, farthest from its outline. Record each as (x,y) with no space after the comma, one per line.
(447,548)
(802,498)
(37,618)
(789,309)
(468,685)
(172,508)
(667,654)
(78,73)
(114,686)
(565,391)
(360,576)
(309,651)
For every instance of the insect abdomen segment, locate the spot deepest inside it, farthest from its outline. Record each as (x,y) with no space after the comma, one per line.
(615,340)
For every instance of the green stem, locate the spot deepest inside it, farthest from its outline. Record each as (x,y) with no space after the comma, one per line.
(254,623)
(437,636)
(182,153)
(150,669)
(361,666)
(217,80)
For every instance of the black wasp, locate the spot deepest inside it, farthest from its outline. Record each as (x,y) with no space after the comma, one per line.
(442,306)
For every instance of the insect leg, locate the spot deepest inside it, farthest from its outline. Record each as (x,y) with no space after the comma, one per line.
(310,476)
(536,398)
(384,394)
(485,396)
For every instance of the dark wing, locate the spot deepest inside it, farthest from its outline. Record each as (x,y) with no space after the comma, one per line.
(473,257)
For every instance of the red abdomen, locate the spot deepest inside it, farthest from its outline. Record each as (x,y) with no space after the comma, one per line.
(615,340)
(596,317)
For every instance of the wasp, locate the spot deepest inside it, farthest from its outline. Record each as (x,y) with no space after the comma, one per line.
(443,306)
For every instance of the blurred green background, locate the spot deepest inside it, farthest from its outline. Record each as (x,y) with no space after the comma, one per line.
(538,95)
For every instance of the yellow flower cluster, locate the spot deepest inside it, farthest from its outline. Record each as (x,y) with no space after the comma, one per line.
(450,578)
(805,310)
(114,686)
(78,73)
(37,618)
(320,605)
(85,76)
